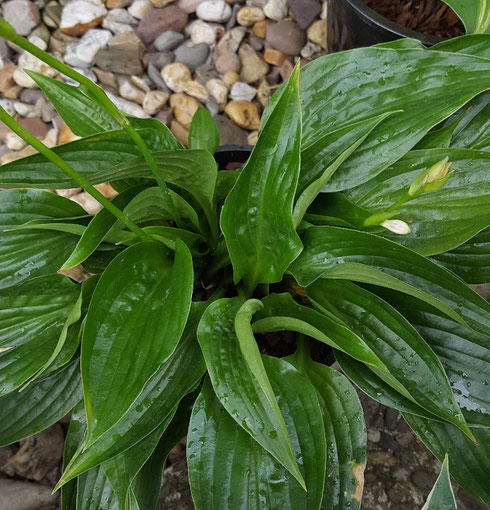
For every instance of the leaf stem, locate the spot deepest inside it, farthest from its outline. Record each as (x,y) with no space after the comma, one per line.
(96,93)
(302,350)
(71,172)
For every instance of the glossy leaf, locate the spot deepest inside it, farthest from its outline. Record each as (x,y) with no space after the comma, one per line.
(156,403)
(441,497)
(471,469)
(471,260)
(228,469)
(83,115)
(475,44)
(203,133)
(474,15)
(236,387)
(345,431)
(26,254)
(439,220)
(410,361)
(98,158)
(464,354)
(282,313)
(32,317)
(256,218)
(97,229)
(94,491)
(341,89)
(43,403)
(358,256)
(141,295)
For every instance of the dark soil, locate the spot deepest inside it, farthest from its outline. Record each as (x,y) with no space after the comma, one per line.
(431,17)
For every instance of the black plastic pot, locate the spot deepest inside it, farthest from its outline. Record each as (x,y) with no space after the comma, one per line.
(232,154)
(352,24)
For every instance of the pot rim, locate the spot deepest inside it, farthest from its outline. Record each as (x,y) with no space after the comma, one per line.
(366,12)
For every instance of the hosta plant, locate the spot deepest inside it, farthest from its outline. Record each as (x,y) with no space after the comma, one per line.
(216,300)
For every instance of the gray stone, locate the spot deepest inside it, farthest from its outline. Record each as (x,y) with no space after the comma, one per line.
(286,36)
(22,15)
(422,479)
(159,59)
(276,9)
(205,73)
(4,53)
(212,106)
(119,21)
(82,53)
(124,55)
(192,56)
(168,40)
(214,10)
(157,21)
(231,40)
(156,77)
(31,96)
(25,495)
(229,132)
(240,90)
(304,11)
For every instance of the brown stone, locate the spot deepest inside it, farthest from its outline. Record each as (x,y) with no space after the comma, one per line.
(7,77)
(35,126)
(260,28)
(275,57)
(157,21)
(180,132)
(66,135)
(244,113)
(184,107)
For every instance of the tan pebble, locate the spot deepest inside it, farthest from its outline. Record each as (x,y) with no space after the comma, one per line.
(253,65)
(244,113)
(106,189)
(317,33)
(260,28)
(9,157)
(14,142)
(180,132)
(230,77)
(247,16)
(195,89)
(66,135)
(176,75)
(105,77)
(129,91)
(286,69)
(7,77)
(87,201)
(51,138)
(264,92)
(275,57)
(154,100)
(184,108)
(140,83)
(70,192)
(13,92)
(218,90)
(252,137)
(161,3)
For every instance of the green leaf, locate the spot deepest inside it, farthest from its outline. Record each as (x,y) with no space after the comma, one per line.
(282,313)
(471,260)
(123,468)
(203,133)
(164,391)
(345,431)
(94,491)
(337,253)
(464,354)
(256,218)
(32,317)
(83,115)
(471,469)
(373,386)
(43,403)
(336,205)
(474,129)
(228,469)
(415,367)
(26,254)
(236,387)
(439,220)
(98,228)
(474,15)
(441,497)
(143,293)
(342,89)
(475,44)
(146,485)
(98,158)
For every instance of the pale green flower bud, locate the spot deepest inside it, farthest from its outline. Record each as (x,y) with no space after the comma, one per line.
(396,226)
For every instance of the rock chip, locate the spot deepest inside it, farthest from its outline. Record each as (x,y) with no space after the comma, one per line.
(205,73)
(139,8)
(123,56)
(260,28)
(157,21)
(154,100)
(7,77)
(227,61)
(156,77)
(203,32)
(129,91)
(22,15)
(28,61)
(168,40)
(275,57)
(231,40)
(51,14)
(128,106)
(253,65)
(159,58)
(276,9)
(195,89)
(180,132)
(80,15)
(176,75)
(184,108)
(82,53)
(286,36)
(192,55)
(218,90)
(311,50)
(165,115)
(119,21)
(244,113)
(247,16)
(317,33)
(214,10)
(304,11)
(242,91)
(230,77)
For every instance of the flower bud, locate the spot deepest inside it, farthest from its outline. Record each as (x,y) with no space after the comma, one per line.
(437,173)
(396,226)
